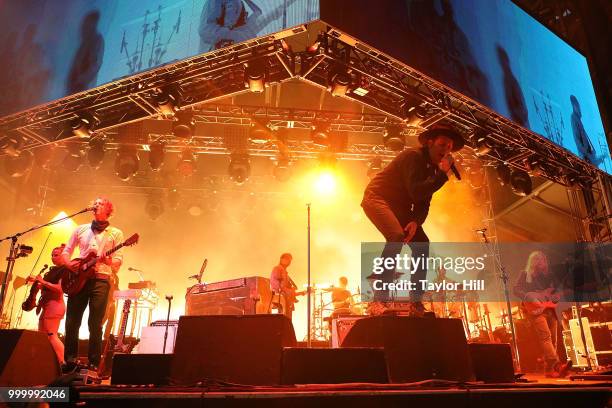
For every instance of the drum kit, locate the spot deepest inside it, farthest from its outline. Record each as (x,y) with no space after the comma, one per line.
(325,310)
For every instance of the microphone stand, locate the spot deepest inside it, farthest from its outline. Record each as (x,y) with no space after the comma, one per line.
(169,299)
(308,301)
(14,252)
(504,278)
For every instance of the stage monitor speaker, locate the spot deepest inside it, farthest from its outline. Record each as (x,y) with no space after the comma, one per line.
(26,358)
(243,349)
(492,362)
(140,369)
(333,366)
(416,349)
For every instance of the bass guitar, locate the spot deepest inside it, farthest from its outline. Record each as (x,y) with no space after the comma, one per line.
(74,280)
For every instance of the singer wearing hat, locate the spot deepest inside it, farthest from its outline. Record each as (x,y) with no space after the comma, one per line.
(397,199)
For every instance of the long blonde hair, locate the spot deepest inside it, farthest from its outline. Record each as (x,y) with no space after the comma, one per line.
(531,264)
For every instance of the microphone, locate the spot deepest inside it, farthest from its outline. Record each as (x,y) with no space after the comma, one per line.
(481,231)
(455,171)
(134,269)
(93,208)
(169,297)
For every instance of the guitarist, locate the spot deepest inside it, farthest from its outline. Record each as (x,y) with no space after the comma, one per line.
(536,288)
(97,237)
(51,303)
(281,283)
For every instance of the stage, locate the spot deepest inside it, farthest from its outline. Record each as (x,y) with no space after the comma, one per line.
(538,392)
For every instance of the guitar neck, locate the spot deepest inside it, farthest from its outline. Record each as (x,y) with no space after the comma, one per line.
(118,247)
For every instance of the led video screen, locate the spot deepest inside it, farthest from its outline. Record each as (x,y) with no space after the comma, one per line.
(54,48)
(493,52)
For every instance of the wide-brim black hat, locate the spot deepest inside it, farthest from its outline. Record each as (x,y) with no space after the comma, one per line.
(445,130)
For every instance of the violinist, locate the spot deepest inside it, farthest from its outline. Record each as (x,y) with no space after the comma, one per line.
(51,305)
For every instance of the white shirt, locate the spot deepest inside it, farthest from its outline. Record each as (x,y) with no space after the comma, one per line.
(89,241)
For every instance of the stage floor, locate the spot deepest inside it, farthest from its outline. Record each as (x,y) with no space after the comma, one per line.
(539,392)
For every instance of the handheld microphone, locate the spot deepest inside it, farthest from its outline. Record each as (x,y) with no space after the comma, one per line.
(455,171)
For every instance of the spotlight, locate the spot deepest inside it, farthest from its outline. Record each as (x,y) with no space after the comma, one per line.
(521,183)
(255,76)
(127,162)
(259,133)
(282,170)
(84,125)
(173,198)
(156,155)
(394,139)
(503,174)
(74,159)
(11,145)
(187,163)
(195,209)
(168,101)
(415,115)
(340,82)
(534,167)
(375,166)
(184,124)
(476,178)
(19,165)
(95,155)
(154,207)
(320,134)
(482,143)
(239,168)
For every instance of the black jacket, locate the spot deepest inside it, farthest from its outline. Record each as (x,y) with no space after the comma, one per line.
(407,184)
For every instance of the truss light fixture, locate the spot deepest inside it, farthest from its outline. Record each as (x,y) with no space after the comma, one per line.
(127,162)
(239,168)
(394,139)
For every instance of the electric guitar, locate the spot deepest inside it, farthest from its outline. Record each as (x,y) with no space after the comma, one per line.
(119,346)
(73,281)
(537,302)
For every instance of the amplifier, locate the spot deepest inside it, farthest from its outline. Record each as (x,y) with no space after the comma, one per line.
(341,326)
(243,296)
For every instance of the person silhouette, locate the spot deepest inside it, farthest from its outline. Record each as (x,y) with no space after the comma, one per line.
(226,22)
(514,95)
(585,147)
(88,58)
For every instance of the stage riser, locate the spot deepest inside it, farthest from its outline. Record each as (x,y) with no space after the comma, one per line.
(362,399)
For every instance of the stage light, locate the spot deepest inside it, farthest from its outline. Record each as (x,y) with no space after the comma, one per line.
(84,125)
(477,177)
(173,198)
(503,174)
(74,159)
(187,163)
(19,165)
(154,207)
(534,167)
(184,124)
(325,182)
(415,115)
(394,139)
(340,82)
(320,134)
(521,183)
(259,132)
(95,155)
(255,76)
(483,144)
(157,152)
(11,145)
(195,209)
(127,162)
(282,170)
(375,166)
(239,168)
(168,101)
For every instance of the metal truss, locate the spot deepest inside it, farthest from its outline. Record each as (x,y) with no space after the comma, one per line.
(389,86)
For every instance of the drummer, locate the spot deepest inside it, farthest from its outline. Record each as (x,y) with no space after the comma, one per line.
(341,297)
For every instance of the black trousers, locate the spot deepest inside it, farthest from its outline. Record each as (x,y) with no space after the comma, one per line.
(391,224)
(94,293)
